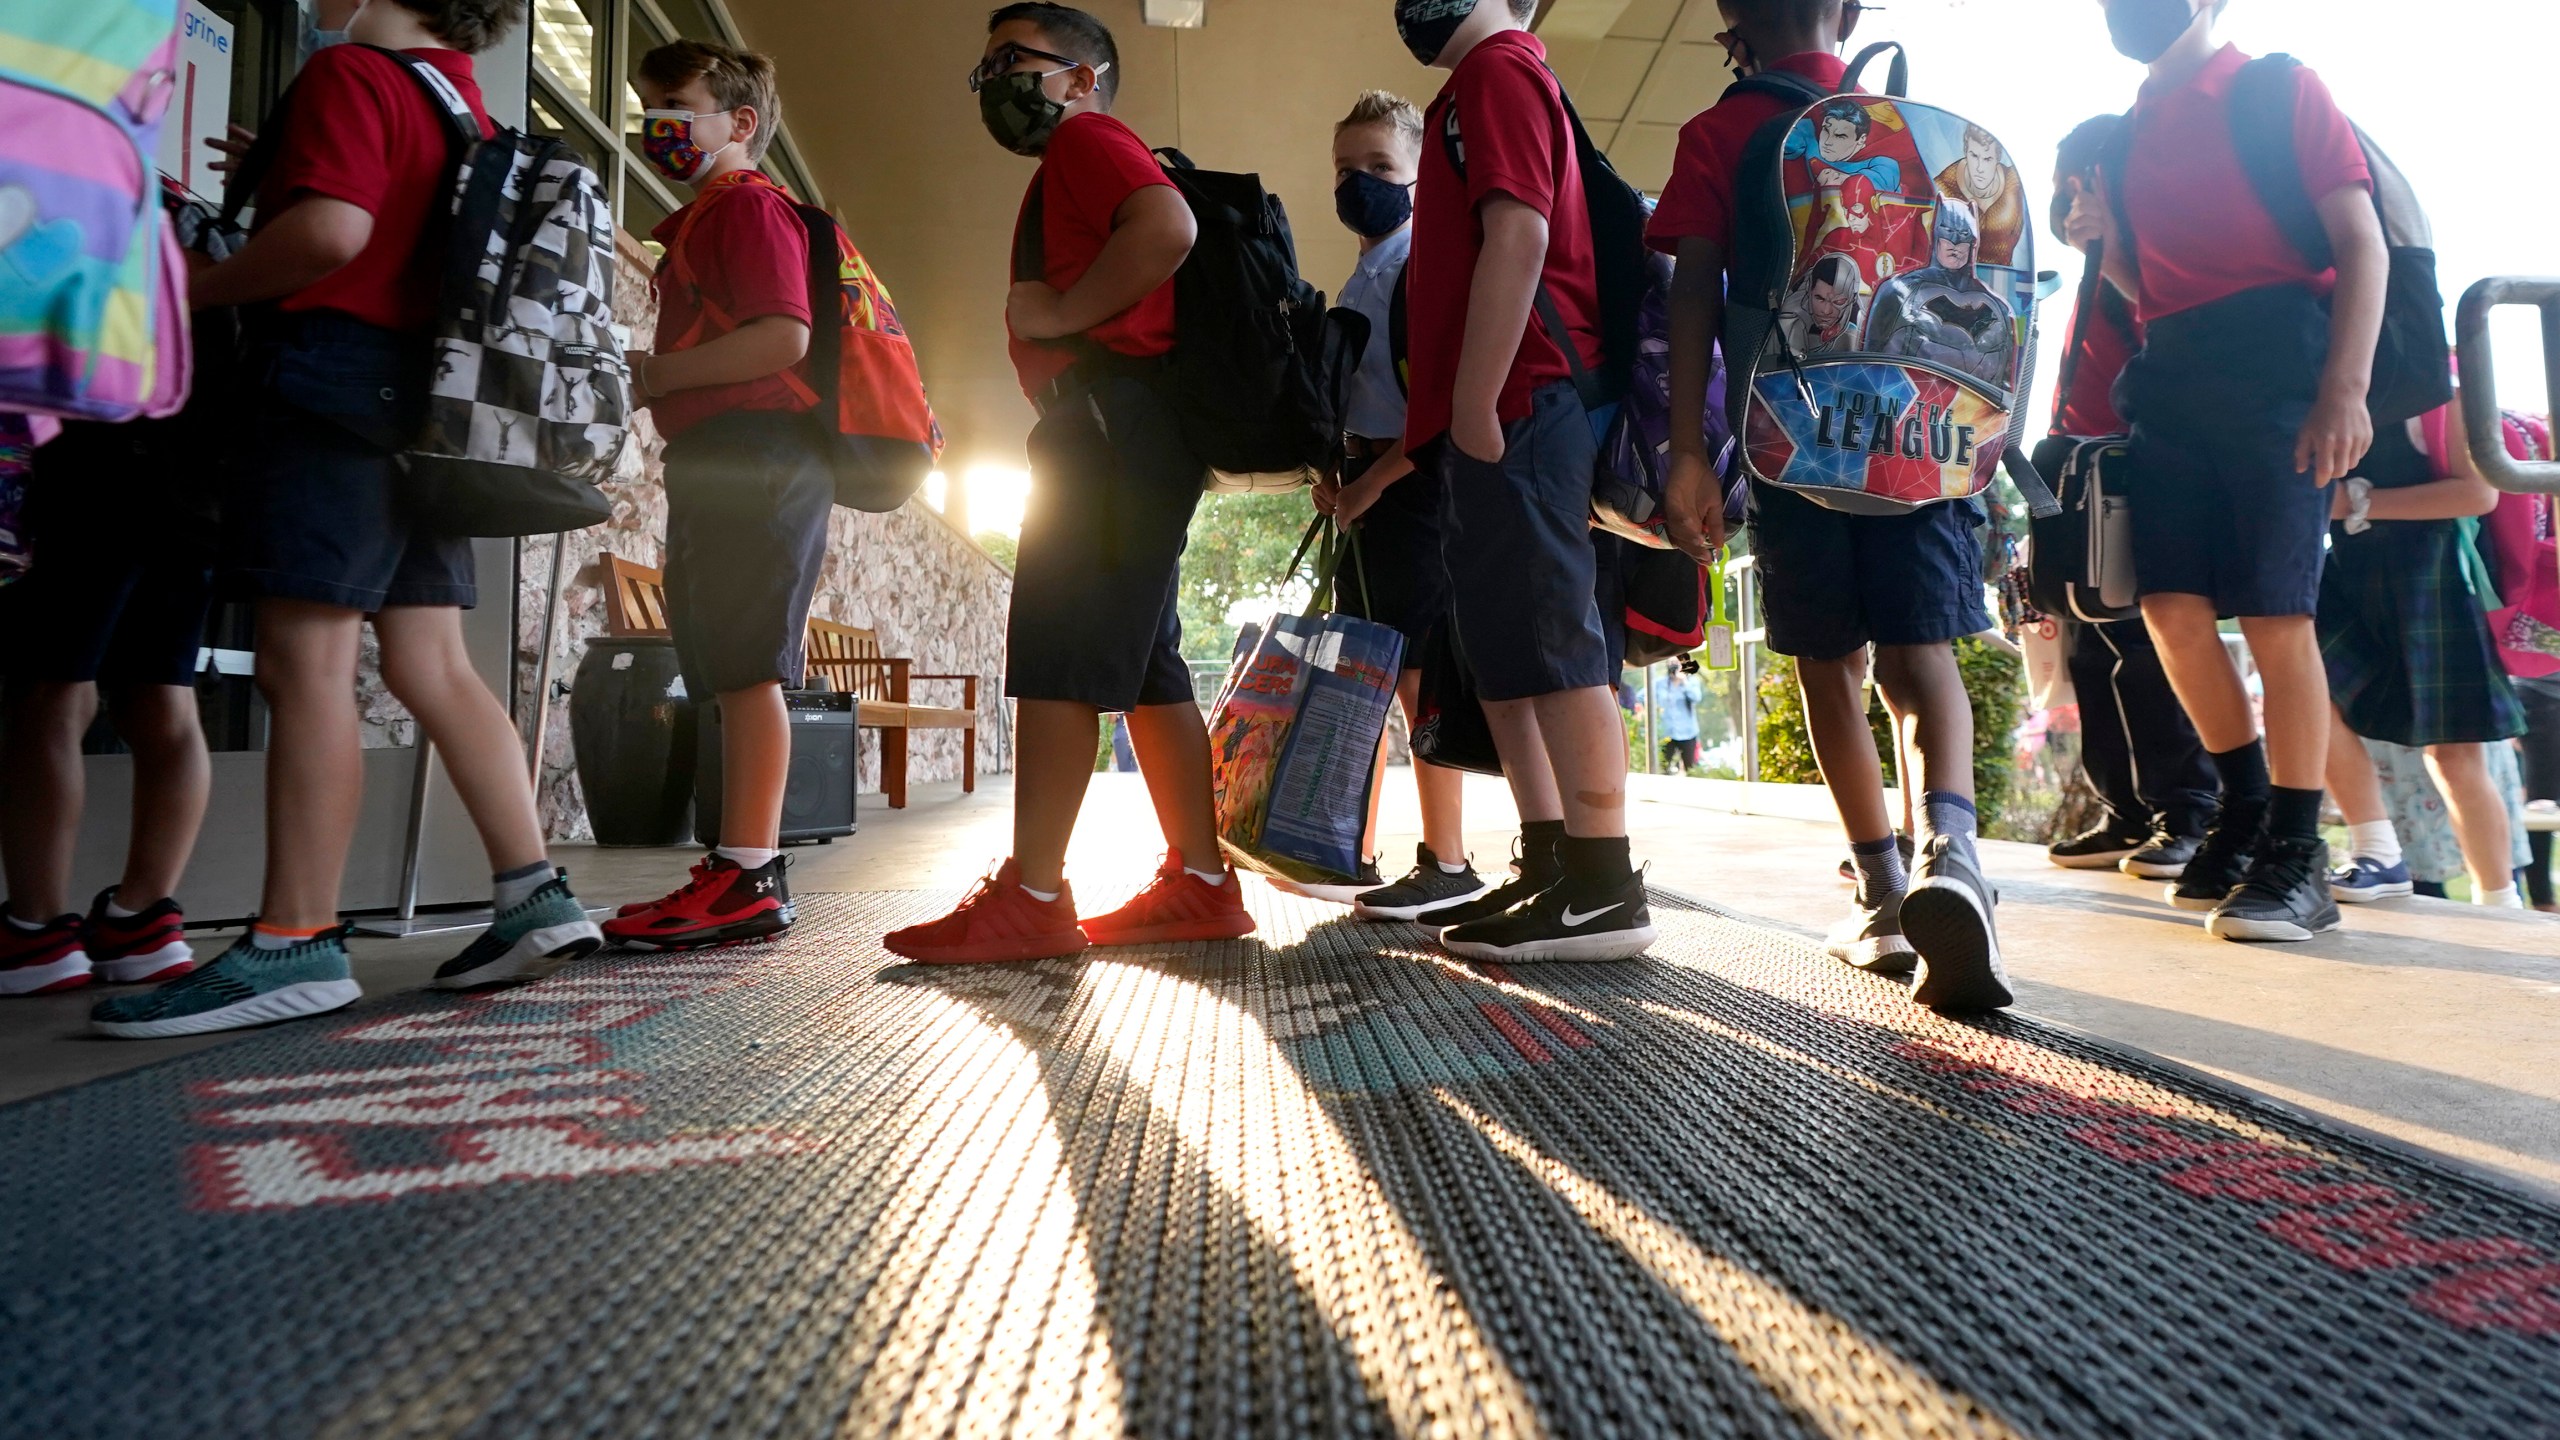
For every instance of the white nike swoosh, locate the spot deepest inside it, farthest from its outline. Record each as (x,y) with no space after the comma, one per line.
(1573,921)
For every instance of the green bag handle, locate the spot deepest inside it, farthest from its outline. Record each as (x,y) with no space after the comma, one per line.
(2475,569)
(1331,544)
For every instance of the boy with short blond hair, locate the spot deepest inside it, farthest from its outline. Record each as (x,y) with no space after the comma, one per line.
(1395,509)
(749,493)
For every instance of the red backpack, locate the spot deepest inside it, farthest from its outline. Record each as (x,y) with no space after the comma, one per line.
(860,377)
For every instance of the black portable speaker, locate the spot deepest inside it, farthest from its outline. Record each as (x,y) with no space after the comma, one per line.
(818,799)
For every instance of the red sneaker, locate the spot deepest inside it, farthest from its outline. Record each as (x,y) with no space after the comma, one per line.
(41,962)
(998,922)
(721,905)
(137,949)
(1177,905)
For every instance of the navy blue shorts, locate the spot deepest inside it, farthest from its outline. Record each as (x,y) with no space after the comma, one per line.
(312,507)
(1517,540)
(749,497)
(1831,583)
(2218,399)
(1399,580)
(123,577)
(1096,578)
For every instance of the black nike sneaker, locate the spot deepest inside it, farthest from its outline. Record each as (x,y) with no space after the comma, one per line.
(1559,924)
(1529,875)
(2285,897)
(2220,863)
(2165,856)
(1422,895)
(2099,849)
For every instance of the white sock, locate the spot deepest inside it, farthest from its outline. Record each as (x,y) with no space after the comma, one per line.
(2507,899)
(1206,877)
(516,886)
(744,858)
(2376,841)
(1045,897)
(24,927)
(116,911)
(1458,869)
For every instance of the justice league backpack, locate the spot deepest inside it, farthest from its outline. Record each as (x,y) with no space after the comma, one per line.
(1880,324)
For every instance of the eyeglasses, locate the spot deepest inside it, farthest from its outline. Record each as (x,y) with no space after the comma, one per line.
(1000,62)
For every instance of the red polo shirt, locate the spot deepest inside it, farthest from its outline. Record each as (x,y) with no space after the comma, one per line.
(1698,201)
(1091,168)
(2200,230)
(362,130)
(2096,352)
(1518,143)
(737,253)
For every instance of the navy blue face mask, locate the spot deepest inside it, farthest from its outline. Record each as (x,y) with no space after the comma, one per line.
(1373,208)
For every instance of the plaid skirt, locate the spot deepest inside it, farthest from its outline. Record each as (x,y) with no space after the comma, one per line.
(2409,653)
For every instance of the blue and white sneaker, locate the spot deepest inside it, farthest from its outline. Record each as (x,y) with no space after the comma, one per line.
(247,986)
(547,931)
(2364,881)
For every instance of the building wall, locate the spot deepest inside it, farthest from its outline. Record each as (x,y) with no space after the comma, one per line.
(928,590)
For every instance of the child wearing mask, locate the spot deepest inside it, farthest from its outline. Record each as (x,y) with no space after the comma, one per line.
(1094,627)
(313,532)
(1502,231)
(2140,749)
(1400,581)
(748,493)
(1836,584)
(2248,401)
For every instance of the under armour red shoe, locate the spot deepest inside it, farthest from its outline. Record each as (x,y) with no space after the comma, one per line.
(1176,906)
(138,949)
(41,962)
(722,904)
(998,922)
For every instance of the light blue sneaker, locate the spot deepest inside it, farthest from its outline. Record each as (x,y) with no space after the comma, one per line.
(547,931)
(247,986)
(2364,881)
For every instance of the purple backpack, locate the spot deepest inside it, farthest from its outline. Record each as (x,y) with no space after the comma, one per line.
(93,311)
(1635,452)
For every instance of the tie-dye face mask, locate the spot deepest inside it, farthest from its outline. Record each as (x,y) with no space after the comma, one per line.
(667,138)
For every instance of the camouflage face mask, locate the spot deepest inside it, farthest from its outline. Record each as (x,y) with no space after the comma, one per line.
(1018,113)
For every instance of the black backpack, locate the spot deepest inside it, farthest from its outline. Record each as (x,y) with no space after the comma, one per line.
(1248,384)
(2412,371)
(1622,261)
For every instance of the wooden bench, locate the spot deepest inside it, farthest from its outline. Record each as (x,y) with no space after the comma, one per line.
(849,660)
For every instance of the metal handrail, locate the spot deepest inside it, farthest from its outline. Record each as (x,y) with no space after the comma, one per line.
(2480,383)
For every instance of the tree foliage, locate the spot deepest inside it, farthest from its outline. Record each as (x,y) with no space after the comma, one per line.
(1238,546)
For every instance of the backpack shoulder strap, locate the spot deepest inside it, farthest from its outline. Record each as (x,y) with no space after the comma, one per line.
(1782,85)
(1400,328)
(1030,237)
(1897,82)
(2262,106)
(463,125)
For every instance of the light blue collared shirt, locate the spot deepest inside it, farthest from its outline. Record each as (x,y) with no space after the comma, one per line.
(1376,411)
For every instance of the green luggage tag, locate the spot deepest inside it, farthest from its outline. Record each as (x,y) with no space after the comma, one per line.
(1722,653)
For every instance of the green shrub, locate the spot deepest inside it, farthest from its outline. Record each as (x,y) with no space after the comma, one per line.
(1993,679)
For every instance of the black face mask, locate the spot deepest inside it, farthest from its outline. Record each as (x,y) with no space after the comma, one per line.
(2145,29)
(1427,26)
(1373,208)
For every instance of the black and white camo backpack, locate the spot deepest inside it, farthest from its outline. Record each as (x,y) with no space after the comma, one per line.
(529,403)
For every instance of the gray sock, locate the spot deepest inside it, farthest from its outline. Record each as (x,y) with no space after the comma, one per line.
(517,886)
(1880,871)
(1953,816)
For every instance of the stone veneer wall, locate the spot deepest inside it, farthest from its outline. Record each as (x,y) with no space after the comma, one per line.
(928,590)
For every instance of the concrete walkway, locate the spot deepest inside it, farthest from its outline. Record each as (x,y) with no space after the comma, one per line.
(2432,1023)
